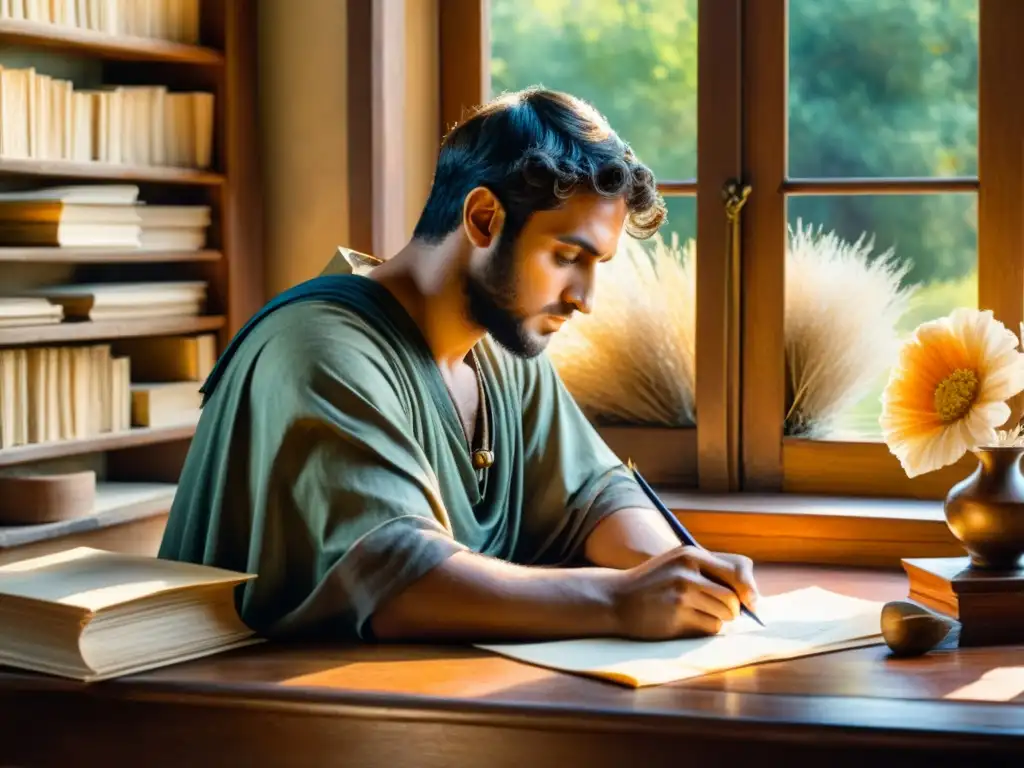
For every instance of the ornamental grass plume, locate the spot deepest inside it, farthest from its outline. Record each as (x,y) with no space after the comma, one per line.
(948,394)
(842,307)
(632,360)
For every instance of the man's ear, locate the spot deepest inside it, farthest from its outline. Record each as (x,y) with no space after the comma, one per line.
(482,217)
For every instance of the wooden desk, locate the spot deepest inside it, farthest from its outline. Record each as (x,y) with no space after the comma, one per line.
(406,707)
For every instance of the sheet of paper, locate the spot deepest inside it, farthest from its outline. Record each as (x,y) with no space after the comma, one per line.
(799,623)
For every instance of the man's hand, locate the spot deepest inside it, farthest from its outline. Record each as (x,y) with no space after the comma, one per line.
(681,594)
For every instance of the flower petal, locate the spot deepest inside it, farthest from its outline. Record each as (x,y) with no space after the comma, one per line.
(1004,382)
(982,420)
(967,339)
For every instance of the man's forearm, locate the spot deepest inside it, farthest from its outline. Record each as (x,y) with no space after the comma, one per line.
(628,538)
(472,596)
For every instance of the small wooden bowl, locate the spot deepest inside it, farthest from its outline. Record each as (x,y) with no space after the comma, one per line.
(38,499)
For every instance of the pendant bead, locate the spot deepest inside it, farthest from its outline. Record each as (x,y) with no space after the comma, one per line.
(483,459)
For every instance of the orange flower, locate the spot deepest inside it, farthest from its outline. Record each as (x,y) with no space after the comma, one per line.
(947,395)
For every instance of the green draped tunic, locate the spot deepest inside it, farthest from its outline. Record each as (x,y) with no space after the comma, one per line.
(330,461)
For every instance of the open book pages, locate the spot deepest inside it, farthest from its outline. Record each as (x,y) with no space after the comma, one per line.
(88,614)
(798,623)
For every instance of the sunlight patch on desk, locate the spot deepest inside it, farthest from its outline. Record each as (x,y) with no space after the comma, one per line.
(470,677)
(999,684)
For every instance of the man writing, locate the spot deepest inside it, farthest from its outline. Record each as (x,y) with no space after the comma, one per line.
(394,456)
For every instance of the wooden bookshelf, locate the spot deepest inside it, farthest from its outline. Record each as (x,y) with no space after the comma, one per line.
(222,63)
(110,441)
(90,43)
(65,169)
(68,332)
(102,256)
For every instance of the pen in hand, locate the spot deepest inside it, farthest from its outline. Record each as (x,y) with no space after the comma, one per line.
(684,536)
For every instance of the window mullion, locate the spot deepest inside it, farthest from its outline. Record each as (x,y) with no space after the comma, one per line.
(763,383)
(719,160)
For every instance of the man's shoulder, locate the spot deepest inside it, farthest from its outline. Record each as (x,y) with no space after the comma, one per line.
(328,309)
(309,340)
(316,322)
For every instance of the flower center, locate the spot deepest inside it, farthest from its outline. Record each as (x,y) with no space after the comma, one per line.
(955,394)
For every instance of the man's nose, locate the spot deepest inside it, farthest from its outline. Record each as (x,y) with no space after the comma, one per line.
(581,292)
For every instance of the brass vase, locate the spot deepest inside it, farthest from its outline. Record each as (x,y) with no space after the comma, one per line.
(985,511)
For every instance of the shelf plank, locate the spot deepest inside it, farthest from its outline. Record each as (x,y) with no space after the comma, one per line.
(120,47)
(109,441)
(107,171)
(108,329)
(116,504)
(102,255)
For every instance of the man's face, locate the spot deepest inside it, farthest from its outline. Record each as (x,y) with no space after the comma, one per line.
(522,290)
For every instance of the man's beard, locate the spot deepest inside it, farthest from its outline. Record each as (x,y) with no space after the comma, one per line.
(491,298)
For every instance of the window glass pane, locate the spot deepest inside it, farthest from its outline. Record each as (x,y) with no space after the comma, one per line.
(883,88)
(631,360)
(682,220)
(846,315)
(635,61)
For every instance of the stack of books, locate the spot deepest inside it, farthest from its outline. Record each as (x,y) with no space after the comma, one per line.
(17,312)
(173,227)
(126,301)
(109,216)
(167,373)
(176,20)
(46,118)
(72,392)
(62,393)
(75,216)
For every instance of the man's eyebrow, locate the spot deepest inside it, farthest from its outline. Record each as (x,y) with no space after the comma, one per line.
(583,243)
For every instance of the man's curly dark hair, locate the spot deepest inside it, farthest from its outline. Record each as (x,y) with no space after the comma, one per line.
(534,148)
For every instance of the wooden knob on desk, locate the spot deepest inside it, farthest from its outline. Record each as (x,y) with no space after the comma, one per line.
(910,629)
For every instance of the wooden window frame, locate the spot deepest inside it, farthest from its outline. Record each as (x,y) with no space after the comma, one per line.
(734,478)
(770,461)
